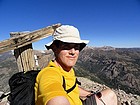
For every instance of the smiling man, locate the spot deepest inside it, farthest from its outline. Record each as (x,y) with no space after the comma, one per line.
(56,84)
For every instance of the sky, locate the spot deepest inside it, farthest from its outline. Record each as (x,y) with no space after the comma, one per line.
(113,23)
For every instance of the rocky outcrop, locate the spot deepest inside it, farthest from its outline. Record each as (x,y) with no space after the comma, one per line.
(123,97)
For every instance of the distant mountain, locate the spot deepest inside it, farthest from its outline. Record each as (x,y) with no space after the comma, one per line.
(8,67)
(115,67)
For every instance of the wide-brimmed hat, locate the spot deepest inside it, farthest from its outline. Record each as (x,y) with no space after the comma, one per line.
(68,34)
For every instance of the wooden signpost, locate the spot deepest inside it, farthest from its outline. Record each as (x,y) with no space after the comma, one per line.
(21,43)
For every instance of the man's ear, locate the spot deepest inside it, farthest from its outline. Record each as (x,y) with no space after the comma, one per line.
(54,48)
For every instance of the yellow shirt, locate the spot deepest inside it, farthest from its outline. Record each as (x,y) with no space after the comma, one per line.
(49,85)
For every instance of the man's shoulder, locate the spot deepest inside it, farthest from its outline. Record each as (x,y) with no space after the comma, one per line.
(49,71)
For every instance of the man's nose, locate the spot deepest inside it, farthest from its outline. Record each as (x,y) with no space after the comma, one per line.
(72,51)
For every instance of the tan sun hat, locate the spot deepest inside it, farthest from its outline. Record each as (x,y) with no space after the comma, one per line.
(68,34)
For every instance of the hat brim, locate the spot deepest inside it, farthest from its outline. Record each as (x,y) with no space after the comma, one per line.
(82,43)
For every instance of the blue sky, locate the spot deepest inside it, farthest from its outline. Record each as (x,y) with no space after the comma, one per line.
(113,23)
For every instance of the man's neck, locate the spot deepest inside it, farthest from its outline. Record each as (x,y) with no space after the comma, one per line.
(67,69)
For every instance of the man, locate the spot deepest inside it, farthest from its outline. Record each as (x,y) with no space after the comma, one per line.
(49,87)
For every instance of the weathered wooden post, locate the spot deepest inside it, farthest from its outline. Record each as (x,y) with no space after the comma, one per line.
(24,55)
(21,43)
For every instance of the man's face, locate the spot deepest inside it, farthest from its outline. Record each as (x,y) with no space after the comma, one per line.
(67,55)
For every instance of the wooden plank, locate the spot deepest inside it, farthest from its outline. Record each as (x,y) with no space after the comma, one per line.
(26,38)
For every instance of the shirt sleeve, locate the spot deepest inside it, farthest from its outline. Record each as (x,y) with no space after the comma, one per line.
(50,85)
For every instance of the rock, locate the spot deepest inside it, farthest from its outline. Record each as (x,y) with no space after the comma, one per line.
(123,97)
(3,99)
